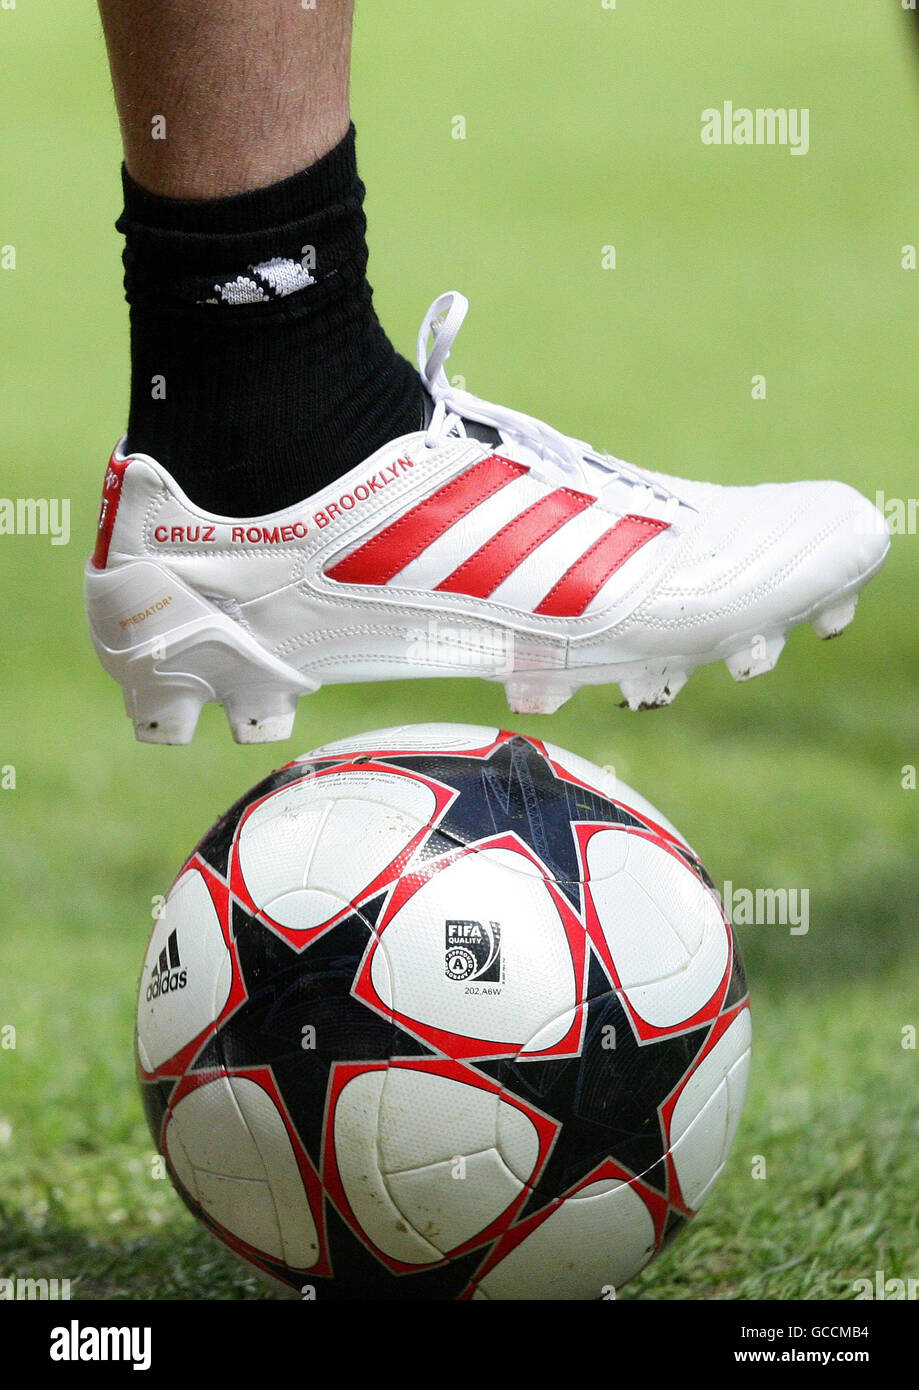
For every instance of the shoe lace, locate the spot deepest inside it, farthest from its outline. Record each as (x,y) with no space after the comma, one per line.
(557,453)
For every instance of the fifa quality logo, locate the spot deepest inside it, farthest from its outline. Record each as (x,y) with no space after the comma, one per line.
(473,950)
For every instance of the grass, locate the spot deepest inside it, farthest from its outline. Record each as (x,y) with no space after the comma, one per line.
(582,131)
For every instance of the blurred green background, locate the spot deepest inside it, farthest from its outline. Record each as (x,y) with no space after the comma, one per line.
(582,131)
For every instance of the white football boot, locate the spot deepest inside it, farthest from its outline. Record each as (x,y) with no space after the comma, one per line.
(487,544)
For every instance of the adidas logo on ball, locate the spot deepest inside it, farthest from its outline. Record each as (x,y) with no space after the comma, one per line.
(581,1032)
(168,975)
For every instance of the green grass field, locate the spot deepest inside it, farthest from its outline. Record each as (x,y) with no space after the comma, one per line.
(583,131)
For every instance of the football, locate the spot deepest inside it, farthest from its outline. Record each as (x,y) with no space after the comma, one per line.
(443,1012)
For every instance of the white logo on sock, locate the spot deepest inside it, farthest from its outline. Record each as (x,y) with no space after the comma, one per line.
(269,280)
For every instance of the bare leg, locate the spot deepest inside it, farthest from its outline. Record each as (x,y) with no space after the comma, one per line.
(259,370)
(247,91)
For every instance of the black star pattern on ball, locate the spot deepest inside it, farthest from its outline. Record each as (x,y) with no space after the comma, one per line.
(608,1097)
(606,1101)
(515,790)
(290,990)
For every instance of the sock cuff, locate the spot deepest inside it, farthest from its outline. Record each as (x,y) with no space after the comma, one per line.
(332,179)
(246,251)
(279,375)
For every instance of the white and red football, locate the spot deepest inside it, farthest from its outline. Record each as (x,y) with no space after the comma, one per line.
(443,1012)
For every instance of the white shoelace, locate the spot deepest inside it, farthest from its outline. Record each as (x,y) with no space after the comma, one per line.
(557,453)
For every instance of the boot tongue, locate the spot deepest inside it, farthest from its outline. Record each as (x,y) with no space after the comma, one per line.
(486,434)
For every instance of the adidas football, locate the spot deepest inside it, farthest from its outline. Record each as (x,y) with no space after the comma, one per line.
(443,1012)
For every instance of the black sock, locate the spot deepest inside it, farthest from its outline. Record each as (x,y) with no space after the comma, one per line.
(256,388)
